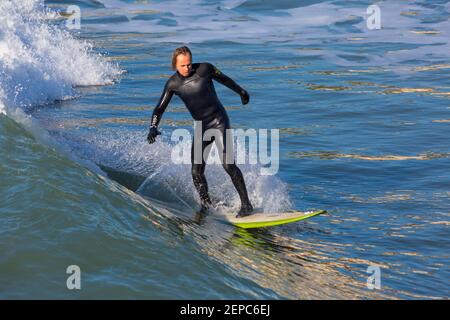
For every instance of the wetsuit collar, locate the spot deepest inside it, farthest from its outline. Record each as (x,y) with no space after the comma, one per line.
(189,75)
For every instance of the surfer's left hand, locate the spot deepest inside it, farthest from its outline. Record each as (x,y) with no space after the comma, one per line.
(245,97)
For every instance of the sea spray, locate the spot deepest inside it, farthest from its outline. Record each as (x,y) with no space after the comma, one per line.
(129,153)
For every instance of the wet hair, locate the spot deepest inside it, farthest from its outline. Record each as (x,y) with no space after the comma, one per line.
(181,50)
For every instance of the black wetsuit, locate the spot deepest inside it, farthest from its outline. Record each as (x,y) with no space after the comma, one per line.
(199,95)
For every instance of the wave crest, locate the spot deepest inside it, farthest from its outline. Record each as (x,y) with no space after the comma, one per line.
(41,62)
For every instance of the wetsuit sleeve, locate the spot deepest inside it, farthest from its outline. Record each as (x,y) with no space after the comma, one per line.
(164,100)
(225,80)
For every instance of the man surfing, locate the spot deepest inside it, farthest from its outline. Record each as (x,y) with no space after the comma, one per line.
(193,84)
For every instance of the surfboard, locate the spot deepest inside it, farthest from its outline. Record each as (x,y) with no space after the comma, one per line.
(261,220)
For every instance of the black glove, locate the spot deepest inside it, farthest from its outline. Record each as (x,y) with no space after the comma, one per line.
(245,98)
(151,138)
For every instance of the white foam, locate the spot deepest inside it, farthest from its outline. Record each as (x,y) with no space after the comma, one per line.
(40,62)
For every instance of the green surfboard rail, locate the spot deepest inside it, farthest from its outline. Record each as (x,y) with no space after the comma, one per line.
(262,224)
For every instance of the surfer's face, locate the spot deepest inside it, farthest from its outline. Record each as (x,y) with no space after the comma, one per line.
(184,64)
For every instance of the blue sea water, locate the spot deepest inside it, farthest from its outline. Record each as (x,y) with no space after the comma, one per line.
(364,121)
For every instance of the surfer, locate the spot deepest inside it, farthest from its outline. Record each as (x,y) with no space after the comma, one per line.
(192,82)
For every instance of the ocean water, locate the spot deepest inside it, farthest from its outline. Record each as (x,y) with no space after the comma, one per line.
(363,116)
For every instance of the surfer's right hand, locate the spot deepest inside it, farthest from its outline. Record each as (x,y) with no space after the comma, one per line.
(151,138)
